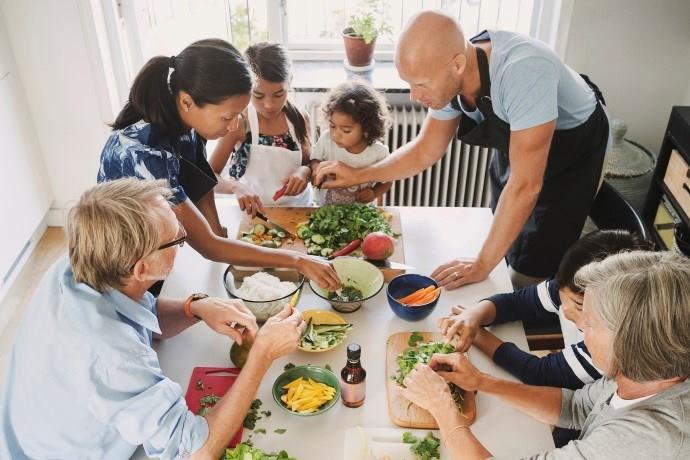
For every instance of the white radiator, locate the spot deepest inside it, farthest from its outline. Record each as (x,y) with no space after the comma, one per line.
(459,178)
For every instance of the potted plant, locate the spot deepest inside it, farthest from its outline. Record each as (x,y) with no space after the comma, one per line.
(361,32)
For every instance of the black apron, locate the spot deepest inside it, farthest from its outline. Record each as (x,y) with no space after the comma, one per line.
(196,177)
(570,183)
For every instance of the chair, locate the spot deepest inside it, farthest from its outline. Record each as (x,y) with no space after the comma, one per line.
(611,211)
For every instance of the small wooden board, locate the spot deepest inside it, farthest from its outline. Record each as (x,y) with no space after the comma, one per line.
(400,410)
(290,218)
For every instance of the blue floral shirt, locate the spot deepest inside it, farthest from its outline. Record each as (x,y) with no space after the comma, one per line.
(143,151)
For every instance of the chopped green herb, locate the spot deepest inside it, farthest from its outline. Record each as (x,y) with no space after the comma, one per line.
(207,402)
(421,354)
(333,226)
(415,338)
(260,430)
(253,415)
(426,448)
(280,430)
(347,294)
(266,413)
(288,366)
(328,366)
(200,384)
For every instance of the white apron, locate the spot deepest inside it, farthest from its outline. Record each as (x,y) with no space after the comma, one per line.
(268,166)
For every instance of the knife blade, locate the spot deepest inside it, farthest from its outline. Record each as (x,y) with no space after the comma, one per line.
(389,264)
(265,218)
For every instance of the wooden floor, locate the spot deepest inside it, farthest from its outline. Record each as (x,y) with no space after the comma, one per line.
(52,245)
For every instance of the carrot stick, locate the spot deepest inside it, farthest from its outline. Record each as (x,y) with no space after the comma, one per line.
(416,294)
(429,297)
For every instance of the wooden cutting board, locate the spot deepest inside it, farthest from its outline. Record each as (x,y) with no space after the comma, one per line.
(290,218)
(400,410)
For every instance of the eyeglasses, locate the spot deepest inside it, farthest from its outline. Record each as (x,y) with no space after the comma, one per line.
(176,242)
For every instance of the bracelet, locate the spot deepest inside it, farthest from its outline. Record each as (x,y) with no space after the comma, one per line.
(450,433)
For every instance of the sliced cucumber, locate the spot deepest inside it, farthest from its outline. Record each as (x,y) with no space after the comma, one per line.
(304,232)
(259,229)
(325,252)
(318,239)
(274,232)
(247,239)
(269,244)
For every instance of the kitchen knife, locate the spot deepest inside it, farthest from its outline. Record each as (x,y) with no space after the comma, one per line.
(390,264)
(265,218)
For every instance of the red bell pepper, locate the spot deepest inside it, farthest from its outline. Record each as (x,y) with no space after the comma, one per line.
(279,193)
(347,249)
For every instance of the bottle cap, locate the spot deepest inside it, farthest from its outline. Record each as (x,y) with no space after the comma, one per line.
(354,351)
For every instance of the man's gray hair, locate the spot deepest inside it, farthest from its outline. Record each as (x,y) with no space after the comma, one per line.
(111,228)
(644,299)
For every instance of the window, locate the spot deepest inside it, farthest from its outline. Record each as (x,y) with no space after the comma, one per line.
(311,29)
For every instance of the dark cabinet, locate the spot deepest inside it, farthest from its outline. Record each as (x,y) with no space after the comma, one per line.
(667,208)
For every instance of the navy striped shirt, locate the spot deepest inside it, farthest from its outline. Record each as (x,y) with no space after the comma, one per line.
(570,368)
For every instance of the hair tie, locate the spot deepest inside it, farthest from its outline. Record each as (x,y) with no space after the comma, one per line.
(172,61)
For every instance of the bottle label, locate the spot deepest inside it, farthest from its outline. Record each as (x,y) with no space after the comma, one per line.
(353,392)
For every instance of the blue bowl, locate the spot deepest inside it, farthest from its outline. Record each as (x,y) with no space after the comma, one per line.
(403,285)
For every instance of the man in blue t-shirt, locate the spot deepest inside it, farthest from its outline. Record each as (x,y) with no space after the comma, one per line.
(511,93)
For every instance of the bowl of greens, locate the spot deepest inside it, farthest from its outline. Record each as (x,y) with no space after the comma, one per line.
(325,330)
(360,281)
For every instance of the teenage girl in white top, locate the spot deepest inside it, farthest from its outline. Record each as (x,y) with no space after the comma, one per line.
(271,165)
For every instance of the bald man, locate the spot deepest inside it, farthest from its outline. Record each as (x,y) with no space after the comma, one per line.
(511,93)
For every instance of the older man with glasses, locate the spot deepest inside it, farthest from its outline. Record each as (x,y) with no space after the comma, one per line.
(83,379)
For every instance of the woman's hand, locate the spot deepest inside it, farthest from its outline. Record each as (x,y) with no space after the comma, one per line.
(458,273)
(280,335)
(298,181)
(457,369)
(227,317)
(463,322)
(248,200)
(320,271)
(426,389)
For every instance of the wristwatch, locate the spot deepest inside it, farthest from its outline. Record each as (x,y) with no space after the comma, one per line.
(188,304)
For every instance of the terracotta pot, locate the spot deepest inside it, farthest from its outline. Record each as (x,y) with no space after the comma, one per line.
(358,53)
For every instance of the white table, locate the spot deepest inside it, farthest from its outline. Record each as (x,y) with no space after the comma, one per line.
(431,236)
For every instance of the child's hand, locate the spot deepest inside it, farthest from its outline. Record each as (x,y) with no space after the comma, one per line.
(248,201)
(298,181)
(366,195)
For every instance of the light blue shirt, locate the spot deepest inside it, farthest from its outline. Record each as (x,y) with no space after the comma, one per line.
(83,381)
(530,86)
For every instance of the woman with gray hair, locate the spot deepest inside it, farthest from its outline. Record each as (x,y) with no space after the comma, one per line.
(636,319)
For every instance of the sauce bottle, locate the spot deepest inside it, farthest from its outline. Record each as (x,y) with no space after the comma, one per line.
(353,378)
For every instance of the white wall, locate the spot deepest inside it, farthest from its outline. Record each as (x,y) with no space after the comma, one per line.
(25,193)
(638,52)
(65,100)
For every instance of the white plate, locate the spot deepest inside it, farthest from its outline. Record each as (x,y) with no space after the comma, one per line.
(363,443)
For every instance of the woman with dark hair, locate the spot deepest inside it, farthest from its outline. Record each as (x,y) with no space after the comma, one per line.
(273,153)
(175,104)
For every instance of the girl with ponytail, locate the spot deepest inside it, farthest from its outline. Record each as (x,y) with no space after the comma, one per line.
(270,164)
(175,105)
